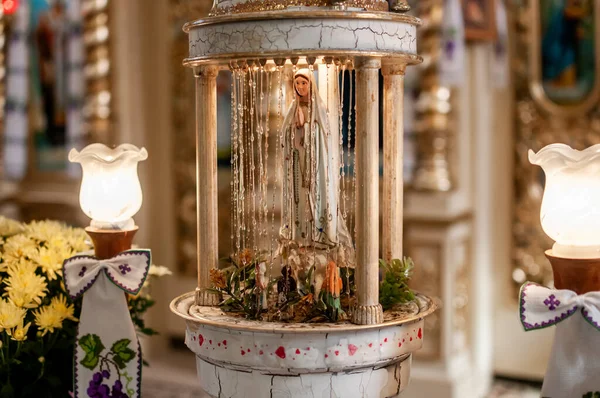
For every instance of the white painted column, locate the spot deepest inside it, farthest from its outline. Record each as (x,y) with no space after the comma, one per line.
(206,177)
(393,140)
(368,310)
(484,235)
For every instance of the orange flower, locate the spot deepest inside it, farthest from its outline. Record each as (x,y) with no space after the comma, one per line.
(333,283)
(246,257)
(307,299)
(217,277)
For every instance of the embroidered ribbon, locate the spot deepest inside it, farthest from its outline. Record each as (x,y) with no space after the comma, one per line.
(499,62)
(573,367)
(108,360)
(452,57)
(541,307)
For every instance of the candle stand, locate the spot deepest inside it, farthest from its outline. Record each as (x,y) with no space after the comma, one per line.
(569,215)
(107,357)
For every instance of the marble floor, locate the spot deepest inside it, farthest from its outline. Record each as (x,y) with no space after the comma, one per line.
(514,389)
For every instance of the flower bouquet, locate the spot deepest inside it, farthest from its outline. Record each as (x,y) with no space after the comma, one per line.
(38,320)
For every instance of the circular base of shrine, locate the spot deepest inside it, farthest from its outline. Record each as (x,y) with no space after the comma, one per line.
(239,358)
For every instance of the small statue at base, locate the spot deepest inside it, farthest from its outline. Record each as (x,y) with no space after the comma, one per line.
(262,283)
(285,284)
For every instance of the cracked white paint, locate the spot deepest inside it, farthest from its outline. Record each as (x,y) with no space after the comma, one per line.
(297,35)
(381,382)
(295,353)
(238,358)
(372,363)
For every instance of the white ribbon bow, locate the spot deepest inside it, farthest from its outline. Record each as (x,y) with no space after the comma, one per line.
(128,270)
(541,307)
(108,359)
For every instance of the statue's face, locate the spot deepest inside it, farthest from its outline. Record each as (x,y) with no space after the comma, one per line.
(301,86)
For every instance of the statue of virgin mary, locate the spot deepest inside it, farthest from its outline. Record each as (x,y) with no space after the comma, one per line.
(311,216)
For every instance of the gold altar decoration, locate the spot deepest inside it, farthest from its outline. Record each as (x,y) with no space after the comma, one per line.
(540,122)
(98,70)
(435,114)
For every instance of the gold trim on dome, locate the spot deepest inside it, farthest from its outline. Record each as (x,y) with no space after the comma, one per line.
(278,5)
(225,59)
(317,14)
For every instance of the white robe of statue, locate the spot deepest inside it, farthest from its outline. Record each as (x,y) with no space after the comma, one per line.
(311,212)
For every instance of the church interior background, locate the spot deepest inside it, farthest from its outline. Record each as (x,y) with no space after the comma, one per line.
(487,90)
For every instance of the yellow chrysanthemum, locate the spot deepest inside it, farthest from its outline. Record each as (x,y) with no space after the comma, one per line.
(44,231)
(159,270)
(20,332)
(9,227)
(25,289)
(21,267)
(77,239)
(18,247)
(51,260)
(60,305)
(57,242)
(48,319)
(65,252)
(10,315)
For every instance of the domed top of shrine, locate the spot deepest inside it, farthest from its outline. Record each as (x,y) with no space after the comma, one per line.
(228,7)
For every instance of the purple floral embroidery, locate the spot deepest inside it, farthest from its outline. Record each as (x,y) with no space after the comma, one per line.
(82,272)
(499,49)
(449,48)
(551,302)
(124,268)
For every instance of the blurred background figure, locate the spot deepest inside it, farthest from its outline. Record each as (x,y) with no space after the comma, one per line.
(50,43)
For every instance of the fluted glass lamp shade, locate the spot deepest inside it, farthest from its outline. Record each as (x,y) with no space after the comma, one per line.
(110,189)
(570,212)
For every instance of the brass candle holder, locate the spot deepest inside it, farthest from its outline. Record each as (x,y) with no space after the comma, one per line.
(109,243)
(581,275)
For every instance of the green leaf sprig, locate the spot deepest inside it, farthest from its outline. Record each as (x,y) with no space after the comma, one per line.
(394,288)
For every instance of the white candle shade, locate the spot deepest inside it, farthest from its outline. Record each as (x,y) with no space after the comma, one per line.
(110,189)
(570,212)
